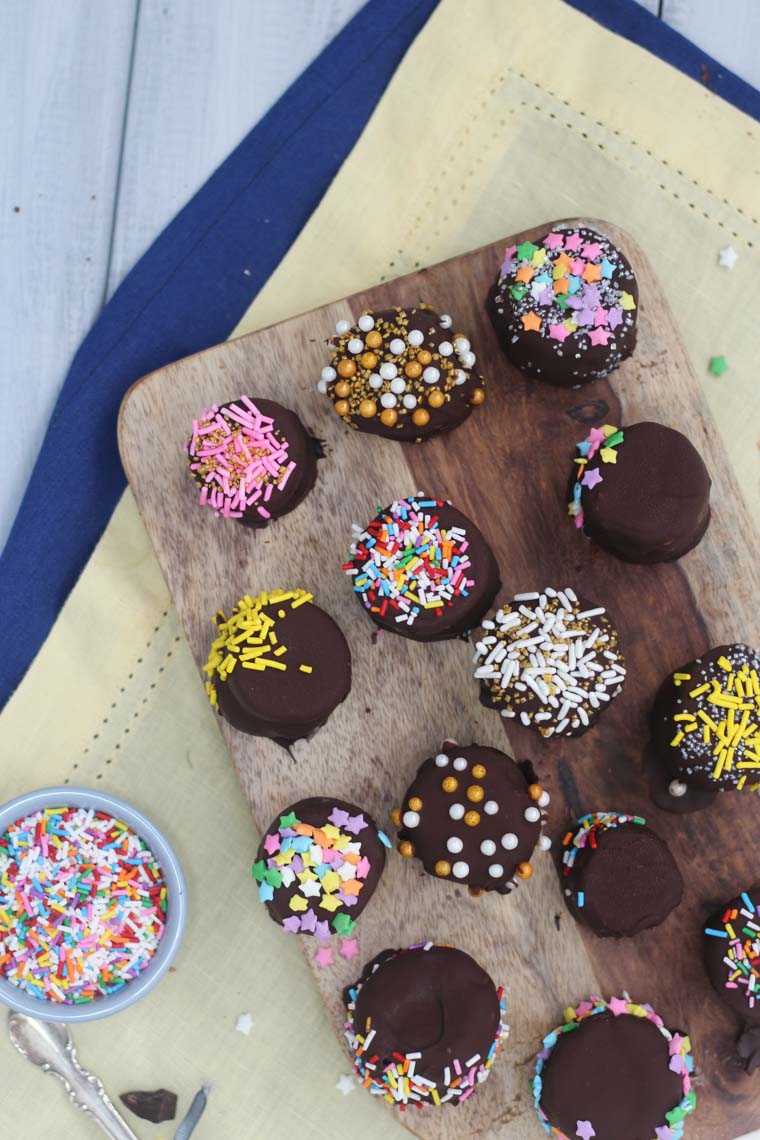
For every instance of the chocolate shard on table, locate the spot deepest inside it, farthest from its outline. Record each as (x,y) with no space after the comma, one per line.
(252,460)
(422,569)
(278,666)
(618,876)
(549,660)
(402,373)
(613,1071)
(642,492)
(732,959)
(156,1106)
(318,866)
(424,1025)
(471,816)
(564,307)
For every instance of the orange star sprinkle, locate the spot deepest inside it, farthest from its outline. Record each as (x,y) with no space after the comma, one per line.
(562,260)
(561,285)
(526,273)
(352,887)
(592,273)
(531,322)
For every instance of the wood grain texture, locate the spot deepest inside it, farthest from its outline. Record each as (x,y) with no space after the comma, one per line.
(406,696)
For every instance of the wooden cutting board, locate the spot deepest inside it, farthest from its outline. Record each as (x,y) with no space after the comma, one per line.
(507,468)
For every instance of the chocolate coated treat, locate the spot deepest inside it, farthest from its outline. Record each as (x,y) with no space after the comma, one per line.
(642,492)
(471,816)
(402,374)
(318,865)
(155,1106)
(252,460)
(427,1012)
(565,307)
(551,660)
(614,1072)
(289,672)
(706,722)
(423,569)
(618,876)
(732,960)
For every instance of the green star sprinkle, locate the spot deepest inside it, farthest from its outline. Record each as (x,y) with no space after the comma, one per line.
(526,250)
(289,820)
(718,365)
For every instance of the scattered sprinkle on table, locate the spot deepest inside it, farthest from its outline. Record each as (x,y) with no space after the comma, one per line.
(728,257)
(244,1024)
(718,365)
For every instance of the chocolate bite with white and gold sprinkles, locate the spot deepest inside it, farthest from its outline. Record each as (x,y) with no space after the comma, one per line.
(471,816)
(279,665)
(706,723)
(565,306)
(550,660)
(402,373)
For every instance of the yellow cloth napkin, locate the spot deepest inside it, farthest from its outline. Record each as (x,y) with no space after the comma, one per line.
(535,113)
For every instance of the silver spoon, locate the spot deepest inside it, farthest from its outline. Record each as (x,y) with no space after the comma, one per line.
(48,1044)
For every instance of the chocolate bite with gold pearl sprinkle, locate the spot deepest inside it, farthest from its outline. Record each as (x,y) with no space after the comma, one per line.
(403,373)
(472,816)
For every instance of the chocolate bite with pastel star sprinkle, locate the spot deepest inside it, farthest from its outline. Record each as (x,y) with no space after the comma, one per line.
(471,816)
(613,1071)
(564,307)
(732,959)
(424,1025)
(642,492)
(253,460)
(422,569)
(318,865)
(402,374)
(706,722)
(278,666)
(618,876)
(550,660)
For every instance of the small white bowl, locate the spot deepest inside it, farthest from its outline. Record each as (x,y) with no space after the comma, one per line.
(176,909)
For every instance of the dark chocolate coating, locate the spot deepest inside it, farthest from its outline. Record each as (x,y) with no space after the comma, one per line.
(301,451)
(693,760)
(461,614)
(630,882)
(614,1072)
(503,785)
(399,322)
(736,996)
(290,705)
(575,361)
(316,811)
(156,1106)
(653,504)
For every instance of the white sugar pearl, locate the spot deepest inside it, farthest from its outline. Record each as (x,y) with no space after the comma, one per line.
(398,385)
(366,323)
(397,346)
(328,374)
(410,402)
(488,847)
(459,376)
(416,338)
(462,344)
(677,788)
(388,400)
(496,870)
(375,381)
(460,764)
(355,345)
(445,321)
(532,814)
(342,327)
(544,843)
(410,818)
(441,760)
(430,375)
(388,371)
(544,799)
(460,870)
(454,844)
(467,359)
(509,841)
(322,387)
(490,807)
(456,811)
(445,348)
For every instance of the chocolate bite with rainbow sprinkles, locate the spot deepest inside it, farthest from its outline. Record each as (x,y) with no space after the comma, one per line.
(732,959)
(422,569)
(613,1071)
(424,1025)
(402,373)
(706,722)
(642,492)
(471,816)
(618,876)
(564,307)
(253,460)
(318,865)
(549,660)
(278,666)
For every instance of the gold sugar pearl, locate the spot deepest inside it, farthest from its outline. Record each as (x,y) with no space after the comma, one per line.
(342,407)
(479,771)
(475,892)
(368,360)
(346,368)
(415,804)
(413,369)
(424,357)
(406,848)
(450,784)
(442,868)
(472,818)
(535,791)
(343,389)
(524,870)
(477,396)
(389,416)
(367,409)
(396,817)
(475,793)
(420,417)
(436,399)
(373,339)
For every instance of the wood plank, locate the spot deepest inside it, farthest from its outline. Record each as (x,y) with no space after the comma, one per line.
(729,33)
(63,84)
(665,614)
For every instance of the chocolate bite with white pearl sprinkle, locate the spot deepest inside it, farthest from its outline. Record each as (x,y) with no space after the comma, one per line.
(472,815)
(403,373)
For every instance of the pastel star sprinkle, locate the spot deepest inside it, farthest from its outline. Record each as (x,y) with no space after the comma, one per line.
(664,1132)
(607,268)
(293,923)
(627,301)
(599,336)
(324,957)
(526,250)
(349,947)
(618,1006)
(718,365)
(728,257)
(614,318)
(346,1084)
(244,1024)
(338,817)
(531,321)
(573,242)
(608,455)
(553,240)
(272,844)
(591,250)
(592,477)
(558,332)
(584,1130)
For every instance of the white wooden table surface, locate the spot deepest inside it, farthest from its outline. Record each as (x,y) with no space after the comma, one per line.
(114,114)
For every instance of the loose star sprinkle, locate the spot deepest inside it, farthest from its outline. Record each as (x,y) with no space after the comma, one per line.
(584,1130)
(718,365)
(349,947)
(346,1084)
(244,1024)
(728,257)
(324,957)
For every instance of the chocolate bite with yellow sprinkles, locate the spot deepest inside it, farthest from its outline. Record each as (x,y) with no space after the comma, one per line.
(402,373)
(278,666)
(472,816)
